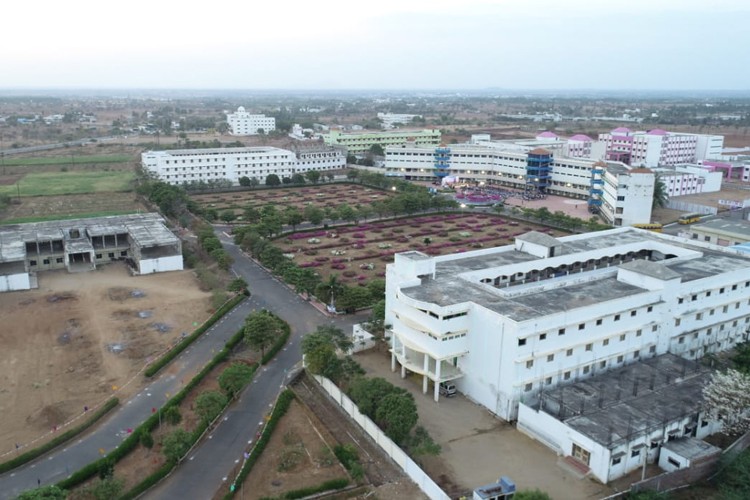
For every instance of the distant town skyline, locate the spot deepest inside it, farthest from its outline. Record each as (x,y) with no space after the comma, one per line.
(407,44)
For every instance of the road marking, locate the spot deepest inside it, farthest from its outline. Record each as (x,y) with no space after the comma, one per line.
(224,478)
(192,457)
(237,461)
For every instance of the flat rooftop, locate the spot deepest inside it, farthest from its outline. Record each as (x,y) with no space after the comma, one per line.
(633,400)
(214,151)
(723,226)
(456,278)
(146,230)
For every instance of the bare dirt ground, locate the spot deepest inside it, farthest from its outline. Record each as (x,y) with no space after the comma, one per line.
(477,447)
(82,338)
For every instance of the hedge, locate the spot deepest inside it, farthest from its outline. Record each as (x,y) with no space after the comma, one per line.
(280,342)
(279,410)
(330,485)
(154,368)
(59,439)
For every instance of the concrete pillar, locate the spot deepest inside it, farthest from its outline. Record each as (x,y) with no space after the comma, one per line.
(425,378)
(403,371)
(437,380)
(393,352)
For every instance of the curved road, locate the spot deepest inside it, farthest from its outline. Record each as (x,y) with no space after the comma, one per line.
(204,469)
(268,293)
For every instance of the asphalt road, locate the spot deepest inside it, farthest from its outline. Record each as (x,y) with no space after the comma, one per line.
(204,469)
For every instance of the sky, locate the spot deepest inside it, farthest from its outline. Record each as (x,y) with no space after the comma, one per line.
(380,44)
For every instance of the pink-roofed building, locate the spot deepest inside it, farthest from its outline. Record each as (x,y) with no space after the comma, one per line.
(548,135)
(659,147)
(578,146)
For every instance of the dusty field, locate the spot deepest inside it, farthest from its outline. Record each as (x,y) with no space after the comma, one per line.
(81,338)
(299,455)
(72,205)
(320,195)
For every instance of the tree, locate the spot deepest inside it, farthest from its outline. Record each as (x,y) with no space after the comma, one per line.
(377,150)
(251,215)
(228,216)
(661,198)
(397,415)
(727,398)
(234,378)
(51,492)
(106,489)
(734,480)
(209,404)
(329,289)
(353,173)
(254,182)
(237,285)
(353,298)
(176,444)
(286,180)
(273,180)
(261,330)
(172,415)
(351,160)
(313,214)
(313,176)
(298,179)
(346,212)
(293,217)
(245,181)
(367,393)
(741,358)
(320,350)
(421,443)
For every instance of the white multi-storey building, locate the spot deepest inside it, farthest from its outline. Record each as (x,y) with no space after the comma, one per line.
(193,165)
(506,322)
(621,194)
(389,120)
(658,147)
(243,123)
(685,179)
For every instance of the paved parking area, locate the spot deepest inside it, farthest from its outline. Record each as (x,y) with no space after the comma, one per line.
(478,448)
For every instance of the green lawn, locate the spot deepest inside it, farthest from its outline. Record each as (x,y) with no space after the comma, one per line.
(67,160)
(106,213)
(59,183)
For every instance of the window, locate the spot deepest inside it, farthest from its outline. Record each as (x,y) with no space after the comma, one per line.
(548,381)
(616,461)
(681,341)
(677,322)
(711,312)
(708,293)
(59,260)
(622,338)
(542,336)
(636,354)
(725,309)
(32,262)
(638,333)
(734,287)
(694,298)
(721,290)
(598,322)
(561,331)
(580,454)
(620,358)
(582,326)
(566,376)
(530,363)
(521,342)
(527,387)
(635,453)
(569,352)
(605,342)
(673,462)
(649,308)
(589,347)
(550,358)
(699,316)
(652,349)
(680,300)
(617,317)
(586,369)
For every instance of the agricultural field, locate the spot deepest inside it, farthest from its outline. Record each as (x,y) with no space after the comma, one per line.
(320,195)
(38,208)
(77,182)
(358,254)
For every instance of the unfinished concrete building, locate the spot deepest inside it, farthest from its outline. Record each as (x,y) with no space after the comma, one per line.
(142,240)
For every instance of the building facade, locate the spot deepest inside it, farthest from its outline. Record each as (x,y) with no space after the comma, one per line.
(658,147)
(193,165)
(243,123)
(506,322)
(142,240)
(360,143)
(621,194)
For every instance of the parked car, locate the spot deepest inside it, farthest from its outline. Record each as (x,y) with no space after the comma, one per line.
(447,389)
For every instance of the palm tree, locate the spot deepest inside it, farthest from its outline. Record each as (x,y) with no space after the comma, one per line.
(660,194)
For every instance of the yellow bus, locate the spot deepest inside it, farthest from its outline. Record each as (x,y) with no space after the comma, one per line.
(689,218)
(655,227)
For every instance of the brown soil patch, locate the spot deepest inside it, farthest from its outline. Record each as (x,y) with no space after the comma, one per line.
(68,345)
(72,205)
(299,455)
(9,180)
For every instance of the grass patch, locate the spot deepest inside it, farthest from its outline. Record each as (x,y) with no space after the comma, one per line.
(43,218)
(67,160)
(59,183)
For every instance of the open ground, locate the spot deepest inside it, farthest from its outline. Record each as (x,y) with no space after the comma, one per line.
(478,448)
(82,338)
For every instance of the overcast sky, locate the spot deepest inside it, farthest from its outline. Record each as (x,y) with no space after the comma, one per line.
(377,44)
